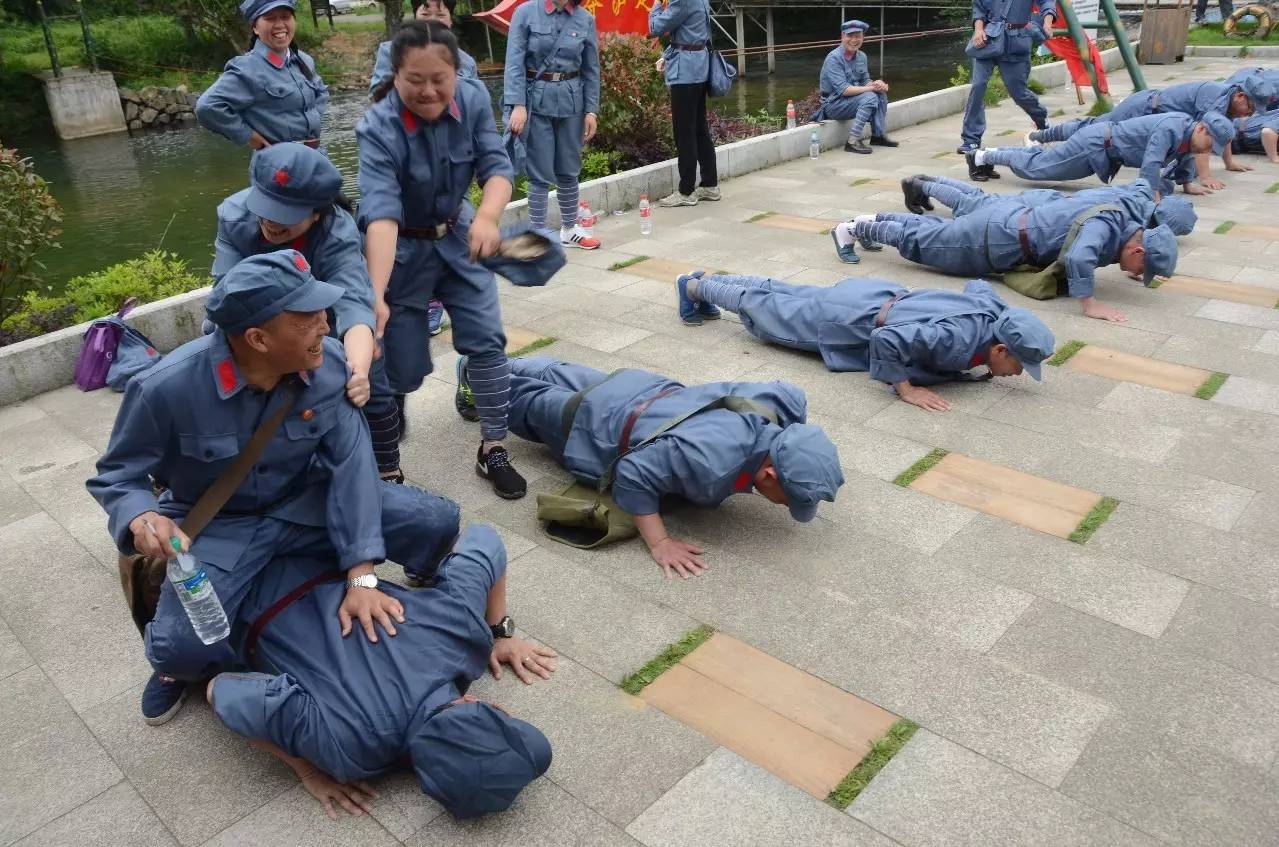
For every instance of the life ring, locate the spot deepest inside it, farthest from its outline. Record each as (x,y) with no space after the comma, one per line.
(1262,29)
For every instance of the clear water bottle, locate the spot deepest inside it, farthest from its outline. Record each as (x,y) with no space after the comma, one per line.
(191,584)
(646,216)
(586,219)
(814,144)
(790,114)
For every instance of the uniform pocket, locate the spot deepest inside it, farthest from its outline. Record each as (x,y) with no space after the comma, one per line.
(279,89)
(310,423)
(209,448)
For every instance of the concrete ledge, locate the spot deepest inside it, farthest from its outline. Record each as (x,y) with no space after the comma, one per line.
(48,362)
(1229,51)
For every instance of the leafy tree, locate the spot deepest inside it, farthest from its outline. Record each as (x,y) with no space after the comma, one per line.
(29,223)
(216,19)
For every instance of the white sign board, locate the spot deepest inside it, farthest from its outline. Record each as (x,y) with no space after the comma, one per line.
(1086,10)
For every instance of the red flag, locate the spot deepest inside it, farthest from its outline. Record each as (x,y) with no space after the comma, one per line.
(610,15)
(1063,47)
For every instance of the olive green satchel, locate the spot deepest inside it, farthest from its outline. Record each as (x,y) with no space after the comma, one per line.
(585,516)
(1046,283)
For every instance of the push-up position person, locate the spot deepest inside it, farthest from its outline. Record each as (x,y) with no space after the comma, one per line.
(313,492)
(908,339)
(963,199)
(1157,144)
(1002,237)
(587,418)
(340,710)
(1259,134)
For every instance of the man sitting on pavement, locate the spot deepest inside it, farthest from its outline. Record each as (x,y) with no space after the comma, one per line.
(908,339)
(849,94)
(341,710)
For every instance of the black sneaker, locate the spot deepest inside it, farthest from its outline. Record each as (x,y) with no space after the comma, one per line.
(915,198)
(464,399)
(161,699)
(883,141)
(496,467)
(979,173)
(858,146)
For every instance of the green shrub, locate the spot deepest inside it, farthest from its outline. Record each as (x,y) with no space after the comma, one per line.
(29,219)
(635,114)
(153,277)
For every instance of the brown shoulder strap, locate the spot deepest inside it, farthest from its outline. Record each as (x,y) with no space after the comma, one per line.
(215,497)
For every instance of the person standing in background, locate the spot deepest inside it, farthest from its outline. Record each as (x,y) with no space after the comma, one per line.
(686,64)
(552,88)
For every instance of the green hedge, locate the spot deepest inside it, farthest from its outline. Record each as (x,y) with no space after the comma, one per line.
(153,277)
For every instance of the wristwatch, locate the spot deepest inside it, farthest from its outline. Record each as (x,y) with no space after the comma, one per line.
(367,581)
(504,628)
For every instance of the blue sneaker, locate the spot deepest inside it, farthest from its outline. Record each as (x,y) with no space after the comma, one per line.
(965,149)
(162,698)
(689,312)
(434,317)
(872,246)
(847,254)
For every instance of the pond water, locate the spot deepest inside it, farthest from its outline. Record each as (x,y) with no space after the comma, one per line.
(123,195)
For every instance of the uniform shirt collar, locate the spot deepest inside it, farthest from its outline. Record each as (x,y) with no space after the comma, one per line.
(549,6)
(226,373)
(848,57)
(270,56)
(412,122)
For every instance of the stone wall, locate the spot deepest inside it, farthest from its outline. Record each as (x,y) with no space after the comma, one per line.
(156,107)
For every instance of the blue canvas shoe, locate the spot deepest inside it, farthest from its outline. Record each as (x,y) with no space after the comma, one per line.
(846,253)
(690,312)
(161,699)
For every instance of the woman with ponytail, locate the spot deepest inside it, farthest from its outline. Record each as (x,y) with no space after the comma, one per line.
(426,136)
(270,94)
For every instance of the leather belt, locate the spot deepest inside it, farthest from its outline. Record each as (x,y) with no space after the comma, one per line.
(551,76)
(689,47)
(1016,26)
(255,630)
(882,317)
(624,442)
(313,143)
(1027,255)
(427,233)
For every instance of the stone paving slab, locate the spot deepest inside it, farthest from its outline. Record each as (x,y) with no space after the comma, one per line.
(117,817)
(1213,289)
(1126,367)
(742,805)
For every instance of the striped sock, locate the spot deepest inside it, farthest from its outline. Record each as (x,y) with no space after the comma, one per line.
(567,196)
(882,232)
(720,291)
(947,195)
(491,386)
(538,203)
(384,431)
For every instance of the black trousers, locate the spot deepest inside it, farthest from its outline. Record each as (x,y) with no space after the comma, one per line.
(692,136)
(1201,9)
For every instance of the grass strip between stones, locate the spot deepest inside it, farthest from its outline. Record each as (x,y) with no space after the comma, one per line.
(626,263)
(915,471)
(667,659)
(1067,350)
(1093,520)
(1224,227)
(1211,386)
(752,219)
(1274,189)
(871,764)
(545,341)
(861,181)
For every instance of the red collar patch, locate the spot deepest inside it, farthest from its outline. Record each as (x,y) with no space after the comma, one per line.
(743,483)
(455,110)
(978,359)
(409,120)
(274,58)
(549,6)
(848,56)
(298,243)
(226,376)
(281,177)
(1184,148)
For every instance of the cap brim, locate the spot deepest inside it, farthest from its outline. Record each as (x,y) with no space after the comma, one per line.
(315,296)
(289,4)
(1036,370)
(274,210)
(803,512)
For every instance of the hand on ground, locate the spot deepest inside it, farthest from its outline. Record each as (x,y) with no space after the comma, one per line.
(677,557)
(525,658)
(353,796)
(924,398)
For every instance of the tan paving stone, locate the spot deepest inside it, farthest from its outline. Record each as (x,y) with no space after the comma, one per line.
(795,753)
(517,338)
(815,704)
(1125,367)
(1269,233)
(1235,292)
(662,270)
(795,223)
(1018,497)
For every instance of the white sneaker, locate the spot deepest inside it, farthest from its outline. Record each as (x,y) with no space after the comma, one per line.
(859,219)
(677,199)
(577,237)
(710,194)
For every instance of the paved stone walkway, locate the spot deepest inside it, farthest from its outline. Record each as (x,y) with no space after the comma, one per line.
(1121,692)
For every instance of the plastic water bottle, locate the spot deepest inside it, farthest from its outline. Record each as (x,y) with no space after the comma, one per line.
(646,216)
(191,584)
(586,219)
(814,144)
(790,114)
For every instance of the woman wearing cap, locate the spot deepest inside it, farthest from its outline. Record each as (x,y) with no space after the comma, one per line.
(427,134)
(908,339)
(423,10)
(270,94)
(295,201)
(686,64)
(552,89)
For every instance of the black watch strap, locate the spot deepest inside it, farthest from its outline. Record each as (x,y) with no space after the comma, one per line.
(505,628)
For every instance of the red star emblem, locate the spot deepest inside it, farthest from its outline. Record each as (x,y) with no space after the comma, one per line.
(299,262)
(281,177)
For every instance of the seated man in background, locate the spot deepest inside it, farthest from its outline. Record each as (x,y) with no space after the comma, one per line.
(849,94)
(342,710)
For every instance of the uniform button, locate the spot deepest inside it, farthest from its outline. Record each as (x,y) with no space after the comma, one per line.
(308,414)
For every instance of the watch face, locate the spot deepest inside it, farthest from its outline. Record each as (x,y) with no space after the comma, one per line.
(506,627)
(367,581)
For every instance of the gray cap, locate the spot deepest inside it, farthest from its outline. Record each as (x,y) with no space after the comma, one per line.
(1161,252)
(1028,338)
(808,467)
(290,181)
(1220,128)
(1177,213)
(260,287)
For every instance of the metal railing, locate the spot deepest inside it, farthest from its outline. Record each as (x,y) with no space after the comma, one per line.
(89,52)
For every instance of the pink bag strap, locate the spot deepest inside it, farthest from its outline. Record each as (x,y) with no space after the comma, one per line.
(127,306)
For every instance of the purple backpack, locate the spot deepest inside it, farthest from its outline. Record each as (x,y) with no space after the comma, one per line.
(99,363)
